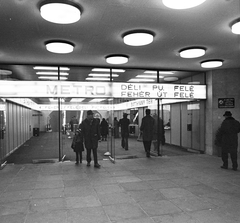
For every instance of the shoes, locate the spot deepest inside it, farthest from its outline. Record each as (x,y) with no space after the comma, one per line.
(88,164)
(97,166)
(224,167)
(77,163)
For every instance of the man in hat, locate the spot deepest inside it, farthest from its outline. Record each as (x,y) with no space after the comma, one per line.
(229,140)
(91,135)
(124,125)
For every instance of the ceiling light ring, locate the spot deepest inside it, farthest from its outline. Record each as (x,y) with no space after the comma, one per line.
(192,48)
(64,2)
(234,22)
(68,2)
(212,60)
(117,55)
(138,31)
(145,37)
(5,72)
(59,41)
(183,4)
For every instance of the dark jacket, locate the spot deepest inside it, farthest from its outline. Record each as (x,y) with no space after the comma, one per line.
(90,133)
(158,132)
(73,122)
(229,132)
(104,127)
(77,143)
(124,124)
(147,127)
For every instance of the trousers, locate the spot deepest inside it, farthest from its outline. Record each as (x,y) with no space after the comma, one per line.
(94,151)
(233,155)
(147,147)
(124,142)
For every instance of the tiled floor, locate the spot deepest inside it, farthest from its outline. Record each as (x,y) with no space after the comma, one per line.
(176,189)
(45,146)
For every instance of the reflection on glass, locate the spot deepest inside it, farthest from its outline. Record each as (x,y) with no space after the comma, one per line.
(166,116)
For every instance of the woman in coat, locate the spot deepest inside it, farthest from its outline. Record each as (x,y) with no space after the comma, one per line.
(104,129)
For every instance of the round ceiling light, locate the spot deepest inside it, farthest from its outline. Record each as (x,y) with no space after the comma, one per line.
(170,78)
(116,59)
(59,47)
(138,39)
(192,53)
(182,4)
(5,72)
(211,64)
(236,28)
(61,13)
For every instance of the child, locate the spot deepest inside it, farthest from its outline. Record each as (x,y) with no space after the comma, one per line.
(77,146)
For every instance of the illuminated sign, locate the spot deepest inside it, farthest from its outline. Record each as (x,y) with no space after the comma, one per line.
(100,90)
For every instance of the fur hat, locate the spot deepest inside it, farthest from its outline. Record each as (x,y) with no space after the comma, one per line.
(89,112)
(227,113)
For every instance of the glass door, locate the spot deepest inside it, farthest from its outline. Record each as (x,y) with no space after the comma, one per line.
(2,131)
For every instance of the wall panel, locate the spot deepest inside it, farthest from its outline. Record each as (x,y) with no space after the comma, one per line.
(176,124)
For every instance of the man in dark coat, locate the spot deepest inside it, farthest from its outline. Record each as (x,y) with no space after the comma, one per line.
(229,131)
(147,128)
(124,125)
(91,135)
(158,133)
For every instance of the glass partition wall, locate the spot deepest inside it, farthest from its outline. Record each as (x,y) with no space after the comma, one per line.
(50,116)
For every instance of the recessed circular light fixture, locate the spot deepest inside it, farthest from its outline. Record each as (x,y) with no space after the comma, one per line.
(60,12)
(59,47)
(5,72)
(236,28)
(117,59)
(194,82)
(138,38)
(211,63)
(170,78)
(192,52)
(182,4)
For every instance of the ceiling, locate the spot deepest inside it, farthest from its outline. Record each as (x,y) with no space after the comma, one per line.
(99,33)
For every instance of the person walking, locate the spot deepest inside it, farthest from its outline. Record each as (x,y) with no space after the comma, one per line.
(116,128)
(104,129)
(91,135)
(77,146)
(147,128)
(124,125)
(229,130)
(158,133)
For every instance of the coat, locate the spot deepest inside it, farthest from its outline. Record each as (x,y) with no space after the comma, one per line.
(229,134)
(124,124)
(77,143)
(90,133)
(158,132)
(147,127)
(104,127)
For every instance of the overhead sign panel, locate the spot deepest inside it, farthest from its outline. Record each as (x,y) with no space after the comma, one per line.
(100,90)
